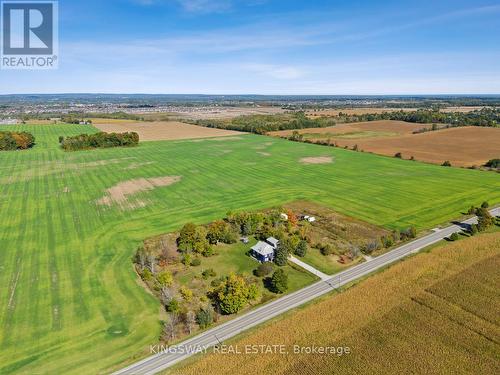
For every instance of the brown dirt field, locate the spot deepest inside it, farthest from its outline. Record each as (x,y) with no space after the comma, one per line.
(162,131)
(317,160)
(120,193)
(385,126)
(463,147)
(390,322)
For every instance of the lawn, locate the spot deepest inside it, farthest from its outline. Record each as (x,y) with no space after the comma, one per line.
(69,292)
(234,259)
(327,264)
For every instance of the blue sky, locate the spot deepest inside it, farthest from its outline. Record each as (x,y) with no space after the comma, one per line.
(272,47)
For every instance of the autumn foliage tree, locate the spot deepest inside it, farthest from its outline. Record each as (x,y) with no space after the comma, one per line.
(233,294)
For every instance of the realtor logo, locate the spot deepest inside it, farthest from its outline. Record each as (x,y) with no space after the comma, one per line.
(29,34)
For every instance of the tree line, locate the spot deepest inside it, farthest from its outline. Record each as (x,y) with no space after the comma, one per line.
(262,124)
(10,141)
(99,140)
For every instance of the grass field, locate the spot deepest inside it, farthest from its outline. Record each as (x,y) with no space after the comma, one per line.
(70,300)
(435,313)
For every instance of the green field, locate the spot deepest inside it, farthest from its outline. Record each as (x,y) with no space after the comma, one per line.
(70,301)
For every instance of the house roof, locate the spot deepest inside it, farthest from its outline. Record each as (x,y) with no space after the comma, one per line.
(263,249)
(273,241)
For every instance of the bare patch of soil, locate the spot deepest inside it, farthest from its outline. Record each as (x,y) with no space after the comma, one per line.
(120,193)
(317,160)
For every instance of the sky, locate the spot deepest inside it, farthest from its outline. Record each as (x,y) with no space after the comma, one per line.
(292,47)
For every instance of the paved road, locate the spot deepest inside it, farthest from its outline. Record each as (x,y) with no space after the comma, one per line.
(215,336)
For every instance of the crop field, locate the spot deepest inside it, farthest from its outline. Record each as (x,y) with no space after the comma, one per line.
(363,111)
(71,221)
(367,129)
(161,130)
(430,314)
(463,146)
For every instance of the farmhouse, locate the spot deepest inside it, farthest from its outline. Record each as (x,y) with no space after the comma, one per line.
(264,251)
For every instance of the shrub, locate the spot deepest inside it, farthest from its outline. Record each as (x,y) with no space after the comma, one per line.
(454,237)
(147,275)
(398,155)
(187,259)
(173,306)
(196,262)
(205,317)
(208,273)
(446,164)
(327,249)
(263,270)
(485,205)
(493,163)
(165,278)
(186,293)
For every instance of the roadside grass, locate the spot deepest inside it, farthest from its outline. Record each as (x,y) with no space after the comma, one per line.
(69,292)
(406,318)
(328,264)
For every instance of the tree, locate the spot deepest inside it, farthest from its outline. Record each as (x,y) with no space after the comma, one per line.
(446,164)
(473,229)
(216,231)
(170,327)
(485,220)
(281,257)
(485,205)
(454,237)
(398,155)
(166,295)
(190,321)
(232,294)
(301,249)
(354,251)
(205,317)
(186,237)
(279,281)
